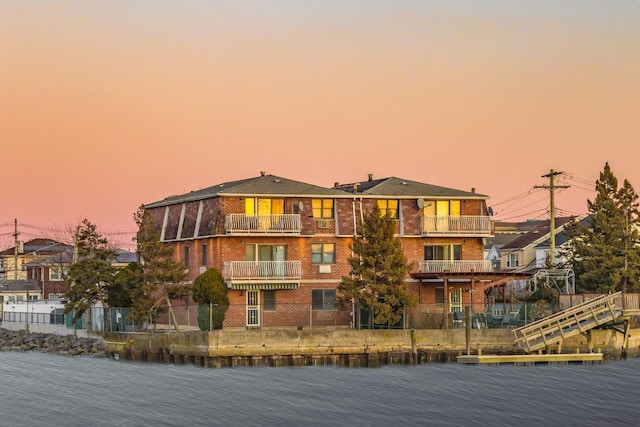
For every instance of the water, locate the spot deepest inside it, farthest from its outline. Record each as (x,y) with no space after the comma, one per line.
(42,390)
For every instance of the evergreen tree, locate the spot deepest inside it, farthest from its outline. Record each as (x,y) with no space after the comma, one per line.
(607,252)
(91,274)
(379,268)
(124,284)
(162,276)
(210,292)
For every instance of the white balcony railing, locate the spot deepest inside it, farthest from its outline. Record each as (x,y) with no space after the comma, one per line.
(457,266)
(263,224)
(467,225)
(249,271)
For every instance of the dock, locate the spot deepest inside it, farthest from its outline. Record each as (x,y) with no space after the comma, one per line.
(531,359)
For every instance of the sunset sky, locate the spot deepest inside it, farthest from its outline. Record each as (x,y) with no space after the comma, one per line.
(105,105)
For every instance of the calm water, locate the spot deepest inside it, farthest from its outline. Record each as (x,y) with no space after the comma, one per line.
(43,390)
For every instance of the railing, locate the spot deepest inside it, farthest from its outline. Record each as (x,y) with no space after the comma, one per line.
(457,266)
(629,302)
(263,224)
(569,322)
(468,225)
(262,270)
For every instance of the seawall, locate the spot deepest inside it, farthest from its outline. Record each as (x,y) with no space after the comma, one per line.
(344,347)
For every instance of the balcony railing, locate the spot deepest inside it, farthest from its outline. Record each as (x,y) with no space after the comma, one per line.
(457,266)
(468,225)
(257,271)
(263,224)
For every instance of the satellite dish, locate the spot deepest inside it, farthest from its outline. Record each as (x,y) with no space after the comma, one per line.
(300,206)
(490,211)
(420,203)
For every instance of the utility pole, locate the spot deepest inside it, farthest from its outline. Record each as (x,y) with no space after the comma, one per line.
(552,222)
(15,249)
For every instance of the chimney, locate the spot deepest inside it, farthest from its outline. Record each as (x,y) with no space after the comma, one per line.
(370,177)
(263,173)
(473,190)
(336,184)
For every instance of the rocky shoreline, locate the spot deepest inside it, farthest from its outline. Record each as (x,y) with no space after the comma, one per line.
(49,343)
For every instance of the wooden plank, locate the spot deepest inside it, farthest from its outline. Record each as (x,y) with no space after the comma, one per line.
(526,359)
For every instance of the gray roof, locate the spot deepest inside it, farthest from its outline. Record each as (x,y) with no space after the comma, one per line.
(18,285)
(66,258)
(264,185)
(542,229)
(398,187)
(126,256)
(40,246)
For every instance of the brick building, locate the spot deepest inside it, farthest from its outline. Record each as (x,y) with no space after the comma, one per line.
(283,245)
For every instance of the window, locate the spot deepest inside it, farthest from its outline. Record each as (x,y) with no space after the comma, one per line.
(322,208)
(265,253)
(323,299)
(389,207)
(442,252)
(512,260)
(256,206)
(204,255)
(58,273)
(323,253)
(439,295)
(186,256)
(441,208)
(269,300)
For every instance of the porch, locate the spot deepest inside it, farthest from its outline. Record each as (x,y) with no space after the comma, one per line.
(262,271)
(457,226)
(241,224)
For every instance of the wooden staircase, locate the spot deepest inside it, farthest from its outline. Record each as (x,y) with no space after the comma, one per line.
(572,321)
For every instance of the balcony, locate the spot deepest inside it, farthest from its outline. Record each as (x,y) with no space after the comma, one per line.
(284,224)
(457,266)
(279,274)
(457,226)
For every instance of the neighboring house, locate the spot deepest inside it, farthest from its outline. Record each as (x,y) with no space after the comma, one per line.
(521,254)
(524,247)
(13,260)
(283,245)
(50,273)
(18,291)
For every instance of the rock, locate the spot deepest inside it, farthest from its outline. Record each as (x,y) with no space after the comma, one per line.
(49,343)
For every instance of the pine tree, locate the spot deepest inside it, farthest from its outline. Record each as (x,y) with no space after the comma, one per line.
(607,251)
(630,275)
(379,268)
(92,273)
(163,276)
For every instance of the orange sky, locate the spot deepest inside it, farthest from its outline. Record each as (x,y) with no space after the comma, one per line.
(105,105)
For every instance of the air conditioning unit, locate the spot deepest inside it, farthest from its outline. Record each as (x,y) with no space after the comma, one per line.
(324,268)
(324,224)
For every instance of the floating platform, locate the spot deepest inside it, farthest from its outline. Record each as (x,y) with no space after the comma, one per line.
(531,359)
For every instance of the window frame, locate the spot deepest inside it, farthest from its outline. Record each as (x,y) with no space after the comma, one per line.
(323,300)
(510,258)
(203,260)
(383,205)
(454,250)
(269,300)
(323,253)
(62,272)
(322,211)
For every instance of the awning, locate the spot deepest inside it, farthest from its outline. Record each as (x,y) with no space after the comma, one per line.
(262,286)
